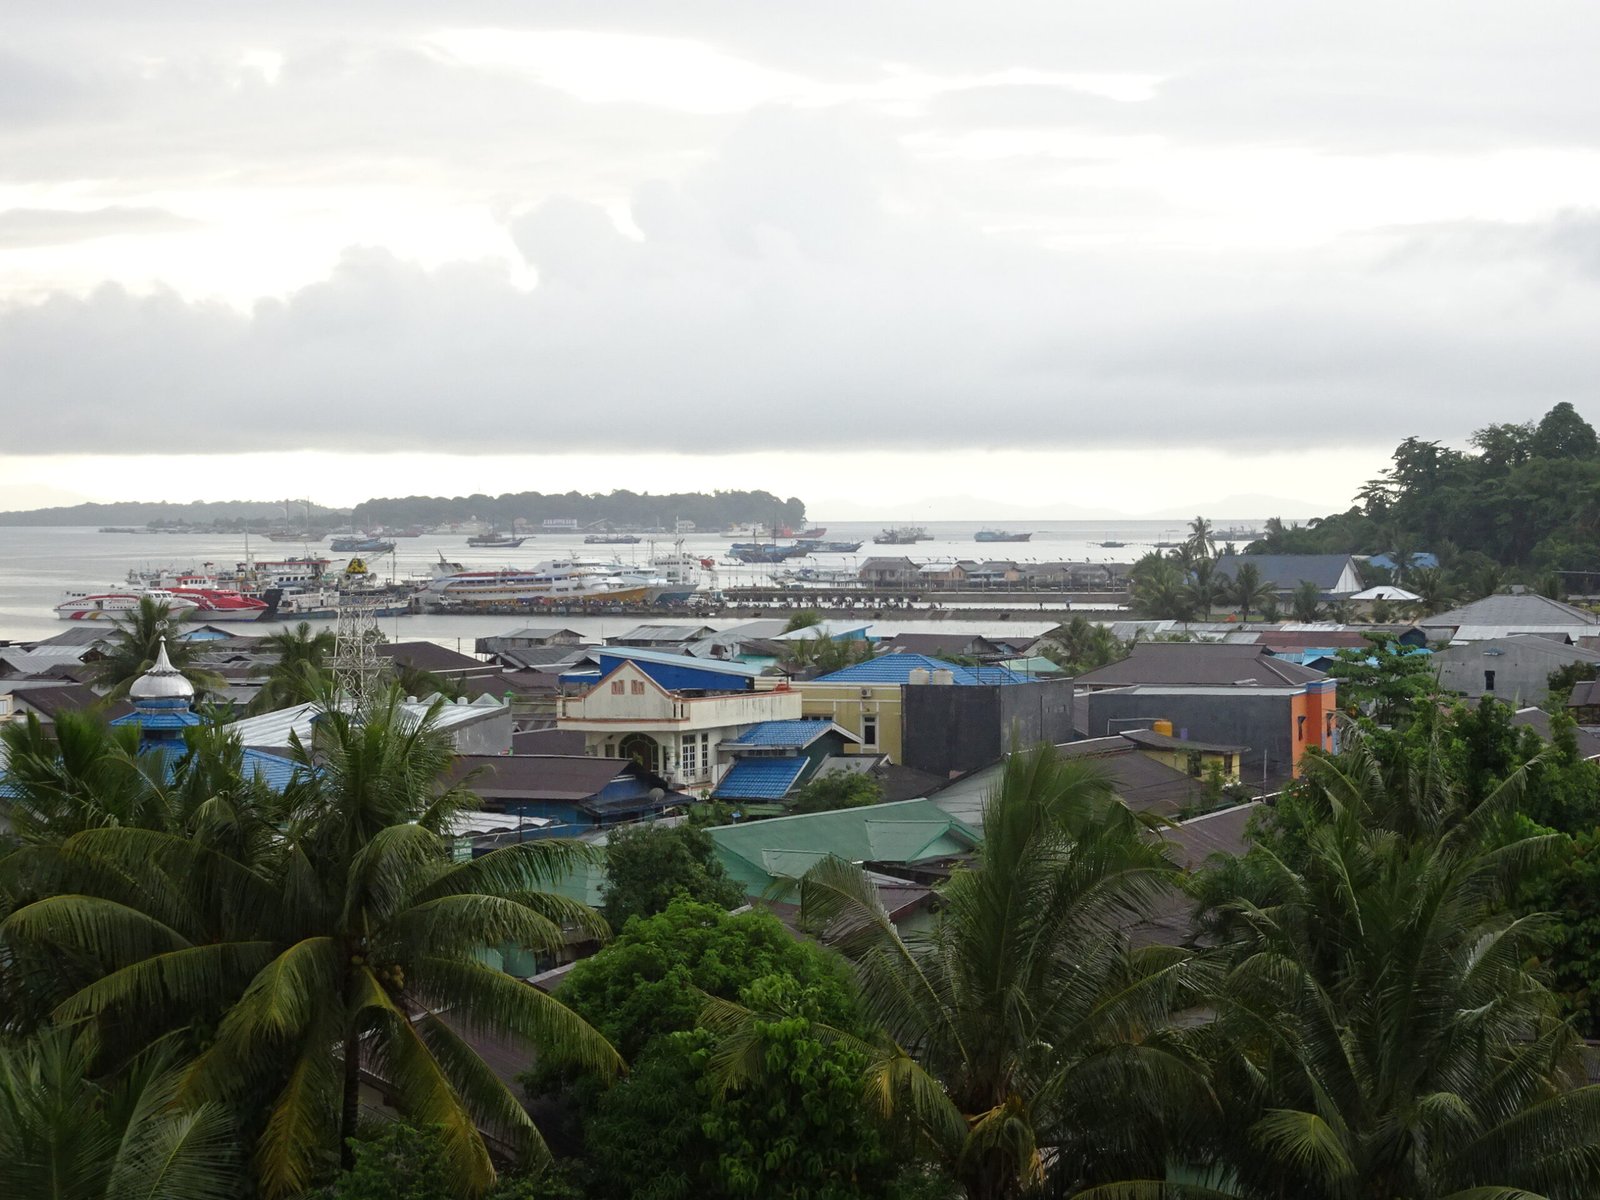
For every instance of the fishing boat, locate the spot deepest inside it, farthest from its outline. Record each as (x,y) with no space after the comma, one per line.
(835,547)
(813,534)
(495,541)
(360,544)
(902,535)
(612,539)
(767,552)
(107,606)
(1112,545)
(1000,535)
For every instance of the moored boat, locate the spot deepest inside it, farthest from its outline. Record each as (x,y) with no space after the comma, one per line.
(360,544)
(107,606)
(902,535)
(220,604)
(1000,535)
(496,541)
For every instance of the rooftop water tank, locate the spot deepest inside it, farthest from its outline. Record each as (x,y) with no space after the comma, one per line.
(919,675)
(1161,726)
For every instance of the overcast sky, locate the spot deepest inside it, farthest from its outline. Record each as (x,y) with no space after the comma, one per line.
(1042,256)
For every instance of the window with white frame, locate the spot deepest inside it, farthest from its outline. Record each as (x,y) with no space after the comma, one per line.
(869,729)
(689,760)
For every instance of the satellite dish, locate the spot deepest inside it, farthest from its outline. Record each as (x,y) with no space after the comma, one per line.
(657,795)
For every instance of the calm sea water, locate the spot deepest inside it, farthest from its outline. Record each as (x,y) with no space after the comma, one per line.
(38,565)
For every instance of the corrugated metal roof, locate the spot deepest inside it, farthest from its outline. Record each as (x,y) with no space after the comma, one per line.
(1515,611)
(789,734)
(906,831)
(760,778)
(274,728)
(897,668)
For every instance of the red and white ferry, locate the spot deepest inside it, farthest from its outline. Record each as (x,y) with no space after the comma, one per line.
(106,606)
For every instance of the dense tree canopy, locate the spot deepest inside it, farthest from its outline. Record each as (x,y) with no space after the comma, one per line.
(1525,496)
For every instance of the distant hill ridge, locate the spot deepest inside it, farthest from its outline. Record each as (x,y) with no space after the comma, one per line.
(708,510)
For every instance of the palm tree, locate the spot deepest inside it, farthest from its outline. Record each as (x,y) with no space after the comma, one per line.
(1159,590)
(135,640)
(300,673)
(804,619)
(1433,591)
(1250,591)
(66,1137)
(1206,585)
(1200,539)
(1023,1030)
(1083,645)
(354,947)
(1306,602)
(1385,1031)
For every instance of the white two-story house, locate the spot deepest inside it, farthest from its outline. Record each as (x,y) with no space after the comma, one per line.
(669,712)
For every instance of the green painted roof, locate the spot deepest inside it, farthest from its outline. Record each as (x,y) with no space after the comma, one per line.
(759,853)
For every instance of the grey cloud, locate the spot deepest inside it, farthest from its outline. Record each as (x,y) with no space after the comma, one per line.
(54,226)
(768,301)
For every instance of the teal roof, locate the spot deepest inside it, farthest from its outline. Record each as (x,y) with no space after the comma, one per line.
(760,853)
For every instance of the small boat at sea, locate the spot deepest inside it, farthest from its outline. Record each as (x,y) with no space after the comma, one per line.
(835,547)
(495,541)
(108,606)
(1000,535)
(805,535)
(767,552)
(1111,545)
(612,539)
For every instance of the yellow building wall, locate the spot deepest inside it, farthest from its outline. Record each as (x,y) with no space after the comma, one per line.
(846,706)
(1178,760)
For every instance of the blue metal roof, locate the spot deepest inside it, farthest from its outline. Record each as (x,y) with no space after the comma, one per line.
(760,778)
(272,769)
(667,658)
(170,719)
(897,668)
(796,735)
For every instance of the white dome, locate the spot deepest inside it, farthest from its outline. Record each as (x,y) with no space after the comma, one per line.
(162,681)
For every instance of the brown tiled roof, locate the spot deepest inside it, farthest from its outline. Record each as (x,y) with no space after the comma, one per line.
(1143,784)
(51,702)
(558,777)
(428,656)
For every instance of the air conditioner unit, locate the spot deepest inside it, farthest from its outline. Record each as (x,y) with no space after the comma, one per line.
(866,693)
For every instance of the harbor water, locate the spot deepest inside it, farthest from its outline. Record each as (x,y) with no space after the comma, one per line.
(38,564)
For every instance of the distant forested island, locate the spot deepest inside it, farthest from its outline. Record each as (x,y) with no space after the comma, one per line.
(713,510)
(1524,496)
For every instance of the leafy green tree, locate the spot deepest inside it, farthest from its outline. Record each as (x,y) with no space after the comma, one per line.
(1028,1037)
(1250,591)
(1562,433)
(650,865)
(300,672)
(344,948)
(402,1162)
(65,1136)
(774,1110)
(654,978)
(842,790)
(1386,681)
(135,641)
(1433,590)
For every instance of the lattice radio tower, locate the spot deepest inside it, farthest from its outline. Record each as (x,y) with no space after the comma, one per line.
(357,668)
